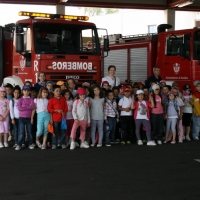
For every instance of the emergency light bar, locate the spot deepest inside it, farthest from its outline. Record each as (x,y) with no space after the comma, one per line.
(52,16)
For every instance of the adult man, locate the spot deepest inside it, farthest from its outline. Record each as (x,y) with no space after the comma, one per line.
(111,78)
(154,78)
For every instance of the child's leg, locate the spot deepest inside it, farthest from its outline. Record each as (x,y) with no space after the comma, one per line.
(124,127)
(100,130)
(44,140)
(173,128)
(1,137)
(56,126)
(195,126)
(46,117)
(146,124)
(73,132)
(5,137)
(112,126)
(138,123)
(83,125)
(180,129)
(168,124)
(21,131)
(29,131)
(129,127)
(93,130)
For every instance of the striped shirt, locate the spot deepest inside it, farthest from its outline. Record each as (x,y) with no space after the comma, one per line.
(110,109)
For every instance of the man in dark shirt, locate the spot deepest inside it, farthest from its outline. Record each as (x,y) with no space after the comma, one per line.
(154,78)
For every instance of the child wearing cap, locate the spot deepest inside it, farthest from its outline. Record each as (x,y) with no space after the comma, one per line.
(81,117)
(25,106)
(142,116)
(126,115)
(196,111)
(105,85)
(187,111)
(62,85)
(4,117)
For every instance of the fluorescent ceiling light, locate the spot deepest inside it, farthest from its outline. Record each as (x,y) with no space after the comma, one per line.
(63,1)
(185,3)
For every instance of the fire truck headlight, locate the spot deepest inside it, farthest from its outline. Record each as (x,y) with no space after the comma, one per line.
(95,67)
(49,67)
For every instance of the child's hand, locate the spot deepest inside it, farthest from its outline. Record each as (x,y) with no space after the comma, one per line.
(180,117)
(1,118)
(13,121)
(127,109)
(118,116)
(165,116)
(31,120)
(133,99)
(88,125)
(76,121)
(106,121)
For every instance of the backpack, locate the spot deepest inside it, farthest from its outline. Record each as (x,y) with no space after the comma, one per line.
(77,102)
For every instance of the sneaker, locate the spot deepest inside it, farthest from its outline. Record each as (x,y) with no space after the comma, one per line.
(39,144)
(84,145)
(151,143)
(86,142)
(1,145)
(17,147)
(43,146)
(188,138)
(92,145)
(122,142)
(173,142)
(72,145)
(54,147)
(31,146)
(140,142)
(108,144)
(99,145)
(64,146)
(196,138)
(128,142)
(6,144)
(9,138)
(180,140)
(159,142)
(184,137)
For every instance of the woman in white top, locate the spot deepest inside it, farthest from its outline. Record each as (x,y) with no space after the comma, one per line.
(43,116)
(111,78)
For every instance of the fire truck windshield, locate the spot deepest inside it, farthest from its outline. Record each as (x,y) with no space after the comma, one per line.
(57,38)
(197,45)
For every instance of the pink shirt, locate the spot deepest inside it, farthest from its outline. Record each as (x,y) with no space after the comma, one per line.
(159,107)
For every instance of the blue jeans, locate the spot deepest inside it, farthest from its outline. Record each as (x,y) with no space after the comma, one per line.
(59,133)
(196,126)
(24,122)
(110,133)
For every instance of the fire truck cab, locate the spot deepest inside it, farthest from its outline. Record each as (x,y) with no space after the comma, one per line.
(52,43)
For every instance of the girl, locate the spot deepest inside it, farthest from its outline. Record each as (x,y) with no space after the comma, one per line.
(110,116)
(141,116)
(14,112)
(71,84)
(4,117)
(41,81)
(157,115)
(69,117)
(25,107)
(187,111)
(43,116)
(105,85)
(96,103)
(81,116)
(172,115)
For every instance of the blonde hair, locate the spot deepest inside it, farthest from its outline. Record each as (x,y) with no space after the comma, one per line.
(39,96)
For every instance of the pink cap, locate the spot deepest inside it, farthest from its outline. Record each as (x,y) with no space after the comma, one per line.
(2,89)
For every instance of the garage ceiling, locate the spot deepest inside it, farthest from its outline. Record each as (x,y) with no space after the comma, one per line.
(128,4)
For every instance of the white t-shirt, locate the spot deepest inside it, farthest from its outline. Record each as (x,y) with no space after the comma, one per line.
(69,112)
(41,104)
(125,103)
(142,111)
(111,81)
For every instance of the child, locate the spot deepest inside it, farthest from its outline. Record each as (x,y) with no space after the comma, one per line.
(62,85)
(14,112)
(172,115)
(96,103)
(43,116)
(110,116)
(157,115)
(25,107)
(71,84)
(105,85)
(187,111)
(69,117)
(57,106)
(9,96)
(142,116)
(49,86)
(4,117)
(196,111)
(126,115)
(81,117)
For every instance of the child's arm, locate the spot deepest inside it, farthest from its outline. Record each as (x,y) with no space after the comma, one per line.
(32,115)
(74,112)
(7,111)
(152,102)
(12,111)
(133,103)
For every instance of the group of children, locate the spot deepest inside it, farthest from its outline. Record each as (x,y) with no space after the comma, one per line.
(97,114)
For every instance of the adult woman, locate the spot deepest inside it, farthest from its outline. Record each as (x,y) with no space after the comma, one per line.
(41,81)
(111,78)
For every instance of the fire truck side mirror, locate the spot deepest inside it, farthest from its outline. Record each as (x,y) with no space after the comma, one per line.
(19,45)
(106,44)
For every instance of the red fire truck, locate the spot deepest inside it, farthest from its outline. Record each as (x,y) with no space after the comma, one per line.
(52,43)
(177,53)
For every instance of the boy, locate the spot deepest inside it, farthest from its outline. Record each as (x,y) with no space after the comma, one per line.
(196,111)
(126,115)
(57,106)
